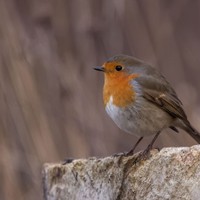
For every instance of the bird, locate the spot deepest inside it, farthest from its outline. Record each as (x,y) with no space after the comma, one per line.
(141,101)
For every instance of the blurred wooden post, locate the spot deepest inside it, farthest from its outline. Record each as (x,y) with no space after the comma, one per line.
(172,173)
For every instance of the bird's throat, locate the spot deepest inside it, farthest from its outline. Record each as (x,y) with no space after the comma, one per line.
(119,89)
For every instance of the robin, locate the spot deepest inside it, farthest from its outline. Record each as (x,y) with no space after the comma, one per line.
(140,100)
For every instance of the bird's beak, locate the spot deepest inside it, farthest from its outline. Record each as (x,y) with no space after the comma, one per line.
(101,69)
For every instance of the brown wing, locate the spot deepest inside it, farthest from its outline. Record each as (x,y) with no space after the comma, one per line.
(158,91)
(166,102)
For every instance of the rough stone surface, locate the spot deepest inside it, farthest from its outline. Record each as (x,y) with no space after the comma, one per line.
(172,173)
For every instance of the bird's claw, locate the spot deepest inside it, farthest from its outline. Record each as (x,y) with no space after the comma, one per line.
(67,161)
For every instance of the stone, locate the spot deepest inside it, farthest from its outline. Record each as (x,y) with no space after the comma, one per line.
(172,173)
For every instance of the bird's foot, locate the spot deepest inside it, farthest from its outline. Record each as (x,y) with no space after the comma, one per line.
(67,161)
(144,154)
(120,154)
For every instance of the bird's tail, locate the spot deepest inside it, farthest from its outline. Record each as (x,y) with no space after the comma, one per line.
(192,132)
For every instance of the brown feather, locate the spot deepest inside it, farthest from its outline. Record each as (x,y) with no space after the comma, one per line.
(159,92)
(166,102)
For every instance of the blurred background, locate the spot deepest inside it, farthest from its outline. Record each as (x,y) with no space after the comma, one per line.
(51,103)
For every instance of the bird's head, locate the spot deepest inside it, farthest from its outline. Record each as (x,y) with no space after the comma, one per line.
(119,71)
(120,66)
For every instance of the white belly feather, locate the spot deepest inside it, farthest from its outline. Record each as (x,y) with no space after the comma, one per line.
(141,118)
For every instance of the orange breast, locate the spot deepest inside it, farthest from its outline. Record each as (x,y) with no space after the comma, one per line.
(120,89)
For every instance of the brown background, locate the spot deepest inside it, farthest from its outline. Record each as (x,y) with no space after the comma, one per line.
(50,97)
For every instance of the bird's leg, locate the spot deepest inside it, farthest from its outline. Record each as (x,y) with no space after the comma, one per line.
(130,153)
(144,153)
(149,147)
(134,147)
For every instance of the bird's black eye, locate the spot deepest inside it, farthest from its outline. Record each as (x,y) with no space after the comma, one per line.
(118,67)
